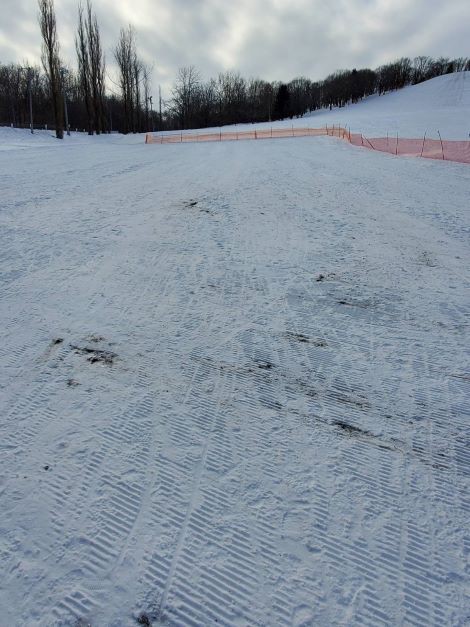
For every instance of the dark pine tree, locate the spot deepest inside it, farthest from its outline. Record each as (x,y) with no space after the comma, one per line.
(282,104)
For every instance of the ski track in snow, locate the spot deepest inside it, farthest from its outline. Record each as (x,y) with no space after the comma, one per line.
(281,437)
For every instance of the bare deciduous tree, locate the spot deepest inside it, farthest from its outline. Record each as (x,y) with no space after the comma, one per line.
(147,98)
(97,68)
(132,74)
(81,45)
(91,67)
(51,60)
(138,75)
(124,53)
(184,95)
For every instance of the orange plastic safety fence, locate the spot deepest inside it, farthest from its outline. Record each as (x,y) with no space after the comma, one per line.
(177,138)
(447,150)
(442,149)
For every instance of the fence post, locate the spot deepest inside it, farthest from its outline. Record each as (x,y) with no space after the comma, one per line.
(442,146)
(396,147)
(369,143)
(181,136)
(422,147)
(220,135)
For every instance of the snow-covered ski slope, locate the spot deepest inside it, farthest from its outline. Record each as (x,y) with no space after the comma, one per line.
(234,384)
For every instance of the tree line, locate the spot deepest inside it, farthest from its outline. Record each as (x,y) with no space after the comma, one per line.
(87,99)
(231,99)
(61,97)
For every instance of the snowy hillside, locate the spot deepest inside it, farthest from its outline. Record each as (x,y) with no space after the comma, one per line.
(442,103)
(234,379)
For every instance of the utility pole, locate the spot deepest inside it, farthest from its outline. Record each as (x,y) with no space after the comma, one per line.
(151,112)
(270,97)
(63,71)
(160,106)
(30,97)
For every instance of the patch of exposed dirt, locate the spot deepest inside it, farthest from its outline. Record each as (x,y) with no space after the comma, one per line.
(351,302)
(300,337)
(52,347)
(95,338)
(324,277)
(427,259)
(357,401)
(95,355)
(264,365)
(353,431)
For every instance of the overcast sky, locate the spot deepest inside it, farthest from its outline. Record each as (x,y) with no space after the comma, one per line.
(270,39)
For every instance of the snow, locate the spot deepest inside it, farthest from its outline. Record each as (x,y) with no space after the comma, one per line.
(234,384)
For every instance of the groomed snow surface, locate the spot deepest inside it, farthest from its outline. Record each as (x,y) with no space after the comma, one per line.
(234,385)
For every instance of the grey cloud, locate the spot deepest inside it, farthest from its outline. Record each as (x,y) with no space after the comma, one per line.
(272,39)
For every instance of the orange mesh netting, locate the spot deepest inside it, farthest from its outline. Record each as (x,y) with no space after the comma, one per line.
(177,138)
(447,150)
